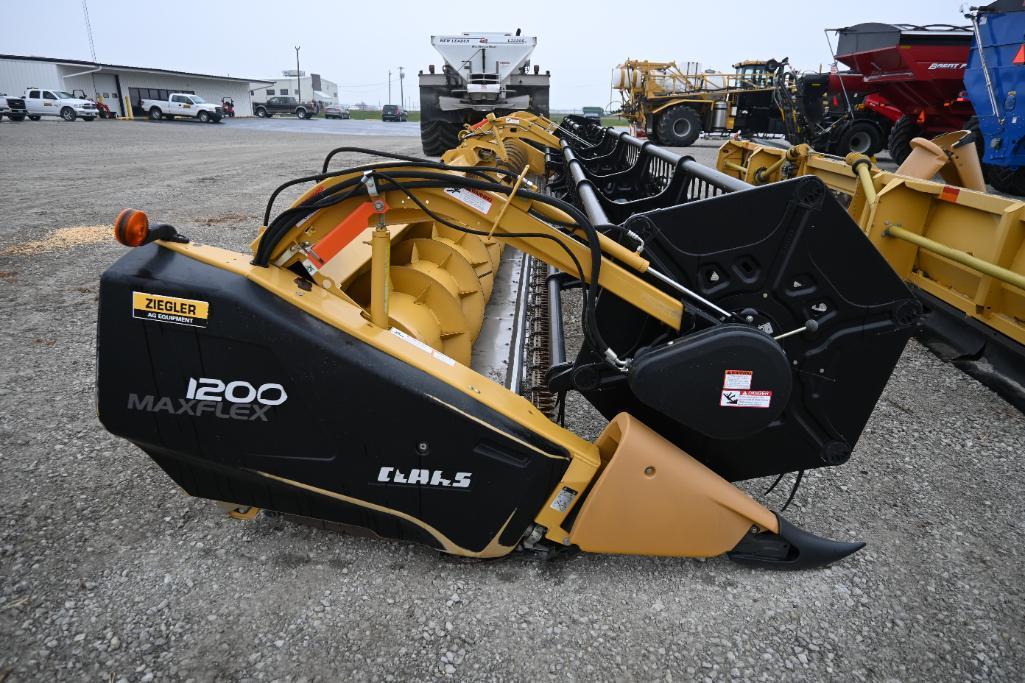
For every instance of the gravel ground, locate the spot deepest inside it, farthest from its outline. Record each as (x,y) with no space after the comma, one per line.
(107,572)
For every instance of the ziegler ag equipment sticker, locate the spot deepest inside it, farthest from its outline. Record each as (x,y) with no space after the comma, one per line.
(170,309)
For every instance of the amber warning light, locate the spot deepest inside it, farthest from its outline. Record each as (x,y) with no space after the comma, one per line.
(132,229)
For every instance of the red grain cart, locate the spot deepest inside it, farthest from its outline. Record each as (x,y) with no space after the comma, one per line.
(917,69)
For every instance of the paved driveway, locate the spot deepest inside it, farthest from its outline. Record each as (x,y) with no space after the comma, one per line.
(290,124)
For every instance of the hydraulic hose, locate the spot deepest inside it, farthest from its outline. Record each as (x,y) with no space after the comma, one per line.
(481,171)
(285,221)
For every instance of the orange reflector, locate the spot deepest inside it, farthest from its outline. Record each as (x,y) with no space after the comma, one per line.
(949,194)
(131,228)
(1020,57)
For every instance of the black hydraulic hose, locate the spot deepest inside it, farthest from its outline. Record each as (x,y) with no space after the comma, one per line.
(475,170)
(563,224)
(285,221)
(288,218)
(404,188)
(374,152)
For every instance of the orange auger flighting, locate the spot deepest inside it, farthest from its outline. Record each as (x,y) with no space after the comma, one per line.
(330,373)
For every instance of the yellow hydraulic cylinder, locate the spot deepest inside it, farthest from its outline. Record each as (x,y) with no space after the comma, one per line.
(862,165)
(958,256)
(736,167)
(380,265)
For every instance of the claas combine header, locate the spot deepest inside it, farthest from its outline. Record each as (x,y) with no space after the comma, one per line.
(730,332)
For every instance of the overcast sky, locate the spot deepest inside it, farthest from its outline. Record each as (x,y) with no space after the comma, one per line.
(355,42)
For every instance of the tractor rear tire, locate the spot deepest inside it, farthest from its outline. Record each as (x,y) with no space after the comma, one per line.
(438,137)
(901,135)
(678,126)
(862,137)
(1007,180)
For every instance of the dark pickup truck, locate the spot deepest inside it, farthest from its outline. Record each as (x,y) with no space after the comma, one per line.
(283,105)
(12,107)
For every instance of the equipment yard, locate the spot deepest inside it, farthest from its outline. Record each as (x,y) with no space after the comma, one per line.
(108,572)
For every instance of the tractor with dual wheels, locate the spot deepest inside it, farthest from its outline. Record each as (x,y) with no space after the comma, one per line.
(673,106)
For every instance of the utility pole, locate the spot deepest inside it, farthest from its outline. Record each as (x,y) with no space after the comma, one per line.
(389,86)
(402,97)
(298,76)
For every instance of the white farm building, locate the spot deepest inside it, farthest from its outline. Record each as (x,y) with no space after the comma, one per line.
(116,83)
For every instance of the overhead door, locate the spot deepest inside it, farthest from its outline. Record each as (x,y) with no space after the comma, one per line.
(106,87)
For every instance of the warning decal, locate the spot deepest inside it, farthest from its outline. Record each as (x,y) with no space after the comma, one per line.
(473,199)
(737,379)
(564,499)
(170,309)
(426,348)
(745,399)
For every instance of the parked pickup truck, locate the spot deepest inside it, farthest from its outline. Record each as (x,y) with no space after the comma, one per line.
(12,107)
(282,105)
(41,102)
(185,105)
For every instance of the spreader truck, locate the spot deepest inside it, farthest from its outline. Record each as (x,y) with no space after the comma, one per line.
(482,73)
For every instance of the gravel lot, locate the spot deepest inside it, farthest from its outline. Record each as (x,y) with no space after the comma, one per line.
(108,572)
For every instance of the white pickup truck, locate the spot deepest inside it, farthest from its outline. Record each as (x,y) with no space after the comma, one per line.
(41,102)
(183,104)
